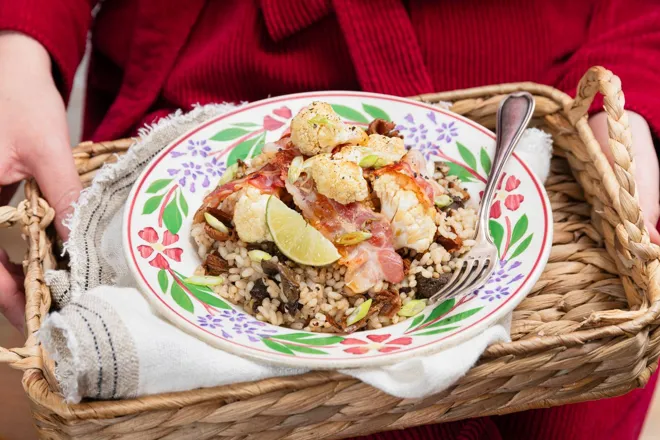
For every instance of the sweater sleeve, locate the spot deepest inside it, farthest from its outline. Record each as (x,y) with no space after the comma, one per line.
(624,37)
(61,26)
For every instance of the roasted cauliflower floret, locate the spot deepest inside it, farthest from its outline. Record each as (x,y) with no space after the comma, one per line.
(413,224)
(250,216)
(339,180)
(318,129)
(379,151)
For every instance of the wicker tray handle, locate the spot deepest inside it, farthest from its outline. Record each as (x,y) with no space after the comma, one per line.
(34,222)
(630,238)
(623,222)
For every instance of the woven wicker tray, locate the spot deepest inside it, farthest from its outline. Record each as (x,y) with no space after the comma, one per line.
(588,330)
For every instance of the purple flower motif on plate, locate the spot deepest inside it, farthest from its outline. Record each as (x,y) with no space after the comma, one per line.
(189,174)
(194,148)
(253,329)
(233,316)
(215,167)
(413,133)
(416,133)
(447,132)
(209,321)
(497,285)
(495,293)
(503,272)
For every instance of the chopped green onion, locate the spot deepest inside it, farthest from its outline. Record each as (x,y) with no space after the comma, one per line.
(295,169)
(359,313)
(372,161)
(228,175)
(443,200)
(368,161)
(412,307)
(258,256)
(204,280)
(351,238)
(319,120)
(215,223)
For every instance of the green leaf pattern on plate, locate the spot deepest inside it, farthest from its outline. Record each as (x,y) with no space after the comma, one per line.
(244,140)
(172,217)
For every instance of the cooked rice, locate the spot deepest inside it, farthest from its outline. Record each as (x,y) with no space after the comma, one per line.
(320,288)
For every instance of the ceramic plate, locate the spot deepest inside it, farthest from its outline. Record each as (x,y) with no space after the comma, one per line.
(161,252)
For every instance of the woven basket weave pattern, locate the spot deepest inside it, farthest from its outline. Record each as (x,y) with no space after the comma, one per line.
(588,329)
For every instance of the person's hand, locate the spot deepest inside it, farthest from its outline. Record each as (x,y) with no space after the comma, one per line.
(646,165)
(34,141)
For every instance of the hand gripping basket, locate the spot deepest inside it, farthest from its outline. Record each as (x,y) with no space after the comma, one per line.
(588,330)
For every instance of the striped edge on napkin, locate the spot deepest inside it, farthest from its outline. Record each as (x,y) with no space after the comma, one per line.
(109,344)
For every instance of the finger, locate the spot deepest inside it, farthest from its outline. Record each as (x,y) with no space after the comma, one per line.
(13,268)
(60,184)
(653,232)
(12,299)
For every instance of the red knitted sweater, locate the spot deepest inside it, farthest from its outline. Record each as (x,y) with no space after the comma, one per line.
(151,57)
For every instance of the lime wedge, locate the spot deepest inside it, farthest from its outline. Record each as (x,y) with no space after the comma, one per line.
(296,238)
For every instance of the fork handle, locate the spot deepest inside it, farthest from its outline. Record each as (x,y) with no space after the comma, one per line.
(513,115)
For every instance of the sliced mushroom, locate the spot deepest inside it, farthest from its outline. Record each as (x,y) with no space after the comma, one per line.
(450,244)
(214,264)
(390,303)
(199,215)
(373,310)
(427,287)
(406,265)
(259,293)
(270,268)
(268,247)
(215,234)
(215,212)
(341,326)
(464,195)
(220,215)
(288,283)
(383,127)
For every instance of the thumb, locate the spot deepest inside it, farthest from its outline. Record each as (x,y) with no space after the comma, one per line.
(59,182)
(654,235)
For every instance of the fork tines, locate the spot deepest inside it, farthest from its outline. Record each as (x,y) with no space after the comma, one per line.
(471,274)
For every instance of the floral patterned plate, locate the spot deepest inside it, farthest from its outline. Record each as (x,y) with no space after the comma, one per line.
(161,252)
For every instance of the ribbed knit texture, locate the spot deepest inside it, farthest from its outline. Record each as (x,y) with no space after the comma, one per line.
(153,56)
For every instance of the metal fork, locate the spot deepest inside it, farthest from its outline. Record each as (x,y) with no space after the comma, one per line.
(474,269)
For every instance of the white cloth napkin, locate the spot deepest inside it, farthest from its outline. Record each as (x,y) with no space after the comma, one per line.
(108,343)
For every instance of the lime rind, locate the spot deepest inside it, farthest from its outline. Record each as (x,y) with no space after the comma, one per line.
(296,238)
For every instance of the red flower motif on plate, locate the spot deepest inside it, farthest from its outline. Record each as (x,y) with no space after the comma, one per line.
(272,123)
(511,201)
(160,248)
(381,343)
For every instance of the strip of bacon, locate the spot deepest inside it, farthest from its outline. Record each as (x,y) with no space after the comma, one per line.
(268,180)
(368,262)
(413,166)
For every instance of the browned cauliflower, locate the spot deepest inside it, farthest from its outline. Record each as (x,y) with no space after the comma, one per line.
(379,151)
(250,216)
(317,129)
(339,180)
